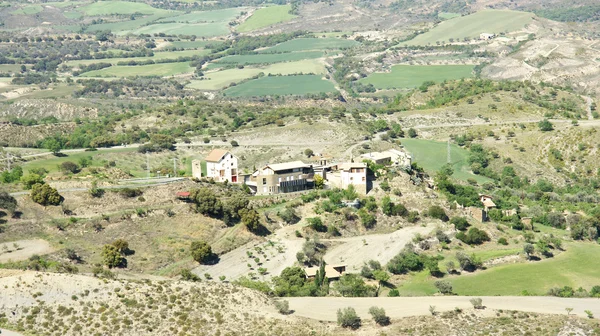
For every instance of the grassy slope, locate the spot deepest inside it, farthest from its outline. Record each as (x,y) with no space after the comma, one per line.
(265,17)
(123,27)
(220,79)
(432,155)
(162,69)
(303,44)
(220,15)
(410,76)
(119,7)
(198,29)
(28,10)
(487,21)
(281,85)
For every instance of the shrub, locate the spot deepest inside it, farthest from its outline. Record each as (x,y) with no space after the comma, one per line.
(283,306)
(502,241)
(201,251)
(460,223)
(367,219)
(289,215)
(69,167)
(467,262)
(379,316)
(316,224)
(394,293)
(477,303)
(545,125)
(45,195)
(347,318)
(475,236)
(111,256)
(30,180)
(187,275)
(445,287)
(438,212)
(130,193)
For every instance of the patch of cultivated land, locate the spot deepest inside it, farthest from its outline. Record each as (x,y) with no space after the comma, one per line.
(124,27)
(265,17)
(118,7)
(282,85)
(176,28)
(161,69)
(268,58)
(187,44)
(161,55)
(486,21)
(220,15)
(302,44)
(410,76)
(220,79)
(432,156)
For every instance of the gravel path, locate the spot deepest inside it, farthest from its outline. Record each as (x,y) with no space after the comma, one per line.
(325,309)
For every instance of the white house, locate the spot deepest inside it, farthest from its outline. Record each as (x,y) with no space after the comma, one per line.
(221,166)
(354,174)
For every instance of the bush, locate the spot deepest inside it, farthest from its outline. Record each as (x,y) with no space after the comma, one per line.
(111,256)
(477,303)
(316,224)
(283,306)
(438,212)
(475,236)
(460,223)
(367,219)
(201,251)
(467,262)
(69,167)
(347,318)
(394,293)
(379,316)
(30,180)
(404,262)
(502,241)
(545,125)
(130,193)
(187,275)
(289,215)
(445,287)
(44,194)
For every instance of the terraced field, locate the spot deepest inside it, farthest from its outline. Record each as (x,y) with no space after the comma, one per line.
(220,79)
(265,17)
(187,44)
(161,55)
(162,69)
(487,21)
(281,85)
(305,44)
(268,58)
(410,76)
(124,27)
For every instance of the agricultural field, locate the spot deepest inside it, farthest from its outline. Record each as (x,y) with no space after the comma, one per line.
(448,16)
(267,58)
(187,44)
(305,44)
(411,76)
(199,29)
(220,15)
(161,55)
(432,155)
(28,10)
(161,69)
(102,8)
(487,21)
(124,27)
(265,17)
(220,79)
(281,85)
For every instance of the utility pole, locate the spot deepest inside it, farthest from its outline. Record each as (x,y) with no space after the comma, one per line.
(147,165)
(175,167)
(448,158)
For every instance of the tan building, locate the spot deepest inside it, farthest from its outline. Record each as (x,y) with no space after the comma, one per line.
(282,178)
(332,272)
(354,174)
(221,166)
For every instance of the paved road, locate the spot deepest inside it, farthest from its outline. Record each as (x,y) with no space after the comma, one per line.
(131,183)
(325,309)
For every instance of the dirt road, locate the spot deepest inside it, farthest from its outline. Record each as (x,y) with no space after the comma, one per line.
(397,307)
(23,250)
(5,332)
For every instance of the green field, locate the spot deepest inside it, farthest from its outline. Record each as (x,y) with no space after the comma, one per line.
(281,85)
(270,58)
(410,76)
(487,21)
(73,15)
(448,16)
(123,27)
(52,162)
(265,17)
(162,69)
(28,10)
(220,15)
(432,155)
(119,7)
(188,44)
(220,79)
(198,29)
(304,44)
(10,67)
(157,56)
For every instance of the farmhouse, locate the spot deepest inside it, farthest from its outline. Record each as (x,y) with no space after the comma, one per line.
(354,174)
(487,202)
(221,166)
(486,36)
(282,178)
(388,157)
(378,158)
(332,272)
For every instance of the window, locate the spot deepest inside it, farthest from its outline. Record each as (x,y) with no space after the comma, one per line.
(264,181)
(279,180)
(351,178)
(363,179)
(292,178)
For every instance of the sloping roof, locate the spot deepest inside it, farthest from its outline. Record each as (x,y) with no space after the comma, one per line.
(489,203)
(183,194)
(216,155)
(288,165)
(330,272)
(350,165)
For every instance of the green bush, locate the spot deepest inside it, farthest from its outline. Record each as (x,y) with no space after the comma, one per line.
(475,236)
(347,318)
(438,212)
(316,224)
(201,251)
(445,287)
(502,241)
(460,223)
(45,195)
(379,316)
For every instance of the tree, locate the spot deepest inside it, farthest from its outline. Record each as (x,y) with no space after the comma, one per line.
(7,202)
(207,202)
(44,194)
(435,211)
(412,133)
(308,152)
(528,249)
(69,167)
(445,287)
(53,145)
(111,256)
(201,251)
(467,262)
(347,318)
(122,245)
(319,182)
(367,219)
(30,180)
(352,285)
(379,316)
(460,223)
(475,236)
(251,219)
(545,125)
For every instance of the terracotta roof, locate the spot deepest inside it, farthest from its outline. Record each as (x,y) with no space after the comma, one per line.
(216,155)
(183,194)
(288,165)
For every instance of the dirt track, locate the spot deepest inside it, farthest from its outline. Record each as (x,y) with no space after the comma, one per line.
(26,248)
(325,309)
